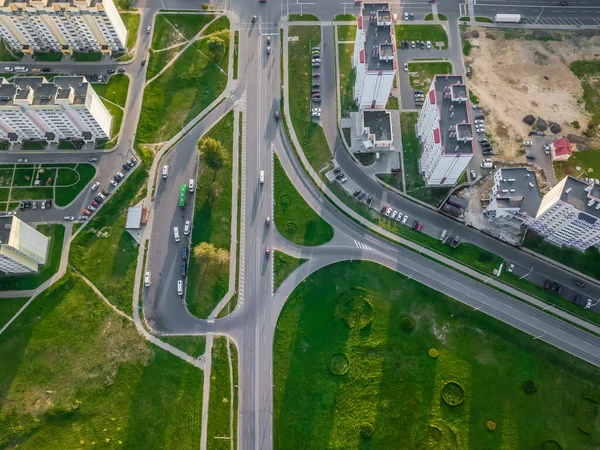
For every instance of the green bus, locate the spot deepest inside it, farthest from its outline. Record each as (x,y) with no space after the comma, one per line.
(182,192)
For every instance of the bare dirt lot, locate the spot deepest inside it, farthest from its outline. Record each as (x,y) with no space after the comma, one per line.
(509,70)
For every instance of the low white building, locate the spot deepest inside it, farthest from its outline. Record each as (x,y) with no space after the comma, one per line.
(377,133)
(67,108)
(374,56)
(22,247)
(444,131)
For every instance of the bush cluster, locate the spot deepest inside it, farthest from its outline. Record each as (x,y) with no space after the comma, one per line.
(453,393)
(366,430)
(406,323)
(291,227)
(284,199)
(490,425)
(433,353)
(339,363)
(529,386)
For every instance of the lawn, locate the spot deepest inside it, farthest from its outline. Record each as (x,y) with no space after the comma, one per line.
(6,54)
(236,49)
(222,23)
(192,345)
(159,59)
(587,262)
(208,283)
(49,57)
(76,375)
(23,177)
(310,134)
(32,193)
(415,186)
(56,233)
(34,145)
(294,218)
(87,56)
(9,307)
(392,103)
(421,74)
(132,23)
(65,195)
(117,114)
(483,19)
(393,179)
(347,79)
(220,401)
(356,363)
(115,90)
(186,88)
(433,33)
(104,251)
(346,33)
(284,265)
(303,18)
(588,163)
(345,18)
(172,29)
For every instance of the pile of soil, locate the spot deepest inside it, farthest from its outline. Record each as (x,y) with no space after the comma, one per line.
(529,120)
(555,128)
(577,139)
(542,125)
(475,33)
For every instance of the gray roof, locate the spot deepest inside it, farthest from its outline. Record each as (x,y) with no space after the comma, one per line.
(134,218)
(583,196)
(519,192)
(378,39)
(379,124)
(44,93)
(4,231)
(450,91)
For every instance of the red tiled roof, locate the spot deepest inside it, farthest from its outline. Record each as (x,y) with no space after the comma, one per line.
(432,97)
(562,147)
(360,23)
(436,135)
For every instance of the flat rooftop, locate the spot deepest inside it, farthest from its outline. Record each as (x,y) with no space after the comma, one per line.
(455,129)
(379,124)
(44,93)
(379,42)
(5,227)
(521,190)
(583,196)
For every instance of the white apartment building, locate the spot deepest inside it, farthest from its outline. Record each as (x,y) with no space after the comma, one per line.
(22,248)
(373,58)
(569,214)
(67,108)
(75,25)
(444,131)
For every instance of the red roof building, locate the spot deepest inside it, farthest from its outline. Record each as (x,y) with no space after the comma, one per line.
(561,149)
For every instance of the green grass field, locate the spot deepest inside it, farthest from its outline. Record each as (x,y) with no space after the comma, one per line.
(65,195)
(345,18)
(433,33)
(284,265)
(192,345)
(5,54)
(9,307)
(294,218)
(76,375)
(393,179)
(87,56)
(172,29)
(346,33)
(310,134)
(132,23)
(115,90)
(421,74)
(347,78)
(220,401)
(187,87)
(222,23)
(48,57)
(303,18)
(207,284)
(357,361)
(236,43)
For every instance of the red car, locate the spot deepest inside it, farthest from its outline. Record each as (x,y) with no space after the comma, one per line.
(95,203)
(267,252)
(316,75)
(86,212)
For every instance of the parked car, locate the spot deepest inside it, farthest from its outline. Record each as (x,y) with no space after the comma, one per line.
(527,143)
(120,176)
(530,156)
(394,214)
(114,183)
(126,166)
(69,218)
(48,204)
(356,192)
(578,283)
(428,44)
(388,211)
(406,67)
(405,219)
(417,226)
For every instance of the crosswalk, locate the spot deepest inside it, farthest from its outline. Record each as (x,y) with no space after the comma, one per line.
(362,246)
(240,101)
(326,23)
(542,20)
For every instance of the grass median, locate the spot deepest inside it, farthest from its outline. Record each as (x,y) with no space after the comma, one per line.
(347,79)
(115,90)
(368,365)
(346,33)
(310,134)
(173,29)
(77,374)
(284,265)
(194,346)
(208,277)
(132,23)
(9,307)
(294,218)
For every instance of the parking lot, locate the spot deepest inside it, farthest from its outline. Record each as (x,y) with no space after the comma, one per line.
(316,84)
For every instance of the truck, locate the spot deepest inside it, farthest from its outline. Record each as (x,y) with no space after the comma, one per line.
(508,18)
(487,165)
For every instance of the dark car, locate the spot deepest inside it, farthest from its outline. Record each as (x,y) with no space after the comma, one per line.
(46,69)
(316,75)
(98,199)
(48,204)
(479,117)
(126,166)
(417,226)
(133,162)
(563,3)
(183,270)
(360,196)
(105,192)
(395,169)
(530,156)
(339,177)
(316,85)
(316,100)
(337,170)
(121,70)
(383,209)
(110,71)
(277,116)
(369,199)
(579,283)
(184,252)
(356,192)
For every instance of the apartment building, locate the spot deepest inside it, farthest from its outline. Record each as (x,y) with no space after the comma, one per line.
(569,214)
(67,108)
(22,247)
(374,58)
(65,26)
(444,131)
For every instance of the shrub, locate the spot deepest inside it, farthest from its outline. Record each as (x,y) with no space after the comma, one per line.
(291,227)
(467,46)
(550,445)
(433,353)
(575,124)
(406,323)
(490,425)
(453,393)
(284,199)
(354,309)
(339,364)
(366,430)
(529,386)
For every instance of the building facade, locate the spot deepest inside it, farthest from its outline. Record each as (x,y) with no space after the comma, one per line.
(22,247)
(67,108)
(76,25)
(569,214)
(374,59)
(444,131)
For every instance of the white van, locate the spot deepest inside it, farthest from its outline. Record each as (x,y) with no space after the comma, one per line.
(147,279)
(179,288)
(187,227)
(262,177)
(191,185)
(176,233)
(165,171)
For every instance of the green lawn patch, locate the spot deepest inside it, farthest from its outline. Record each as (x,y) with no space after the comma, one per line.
(587,72)
(192,345)
(115,90)
(65,195)
(4,194)
(345,18)
(87,56)
(433,33)
(132,23)
(393,179)
(186,88)
(366,366)
(208,281)
(23,177)
(473,97)
(310,134)
(117,114)
(104,251)
(77,374)
(6,175)
(392,103)
(415,185)
(442,17)
(467,47)
(483,19)
(34,145)
(49,57)
(236,49)
(587,262)
(303,18)
(294,218)
(222,23)
(421,73)
(588,162)
(464,19)
(346,32)
(429,17)
(159,59)
(32,193)
(6,54)
(66,177)
(347,79)
(171,29)
(220,401)
(56,234)
(284,265)
(9,307)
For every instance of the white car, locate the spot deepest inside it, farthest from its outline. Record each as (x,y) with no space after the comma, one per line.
(147,279)
(479,121)
(588,304)
(148,29)
(69,218)
(394,214)
(318,110)
(316,114)
(43,205)
(404,219)
(187,227)
(114,183)
(406,67)
(412,44)
(511,268)
(405,16)
(428,44)
(473,175)
(9,69)
(22,160)
(399,218)
(388,211)
(480,130)
(527,143)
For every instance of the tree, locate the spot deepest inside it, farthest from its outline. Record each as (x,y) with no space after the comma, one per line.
(216,45)
(204,253)
(211,192)
(222,257)
(213,153)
